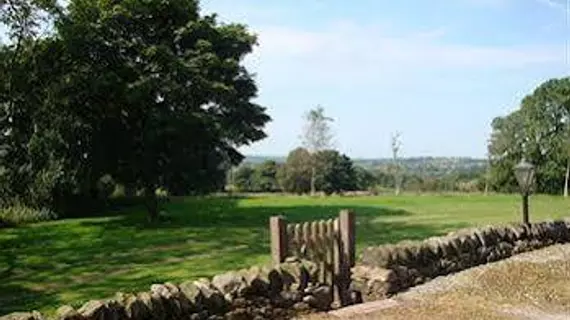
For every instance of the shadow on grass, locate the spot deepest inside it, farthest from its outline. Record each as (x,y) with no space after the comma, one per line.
(45,265)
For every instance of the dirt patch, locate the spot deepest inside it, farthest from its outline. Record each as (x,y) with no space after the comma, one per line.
(533,285)
(535,314)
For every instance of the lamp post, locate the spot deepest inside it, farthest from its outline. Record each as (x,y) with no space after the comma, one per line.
(524,173)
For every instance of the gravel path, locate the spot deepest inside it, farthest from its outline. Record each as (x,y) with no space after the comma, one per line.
(529,286)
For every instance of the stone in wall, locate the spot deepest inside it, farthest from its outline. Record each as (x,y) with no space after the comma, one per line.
(34,315)
(280,292)
(416,262)
(231,284)
(374,283)
(257,282)
(68,313)
(319,298)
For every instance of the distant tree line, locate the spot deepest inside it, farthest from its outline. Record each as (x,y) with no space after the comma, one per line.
(336,173)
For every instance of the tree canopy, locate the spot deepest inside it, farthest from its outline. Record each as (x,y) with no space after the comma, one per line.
(335,172)
(295,175)
(537,131)
(258,178)
(317,136)
(151,93)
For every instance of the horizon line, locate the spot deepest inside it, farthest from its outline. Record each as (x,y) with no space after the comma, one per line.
(375,158)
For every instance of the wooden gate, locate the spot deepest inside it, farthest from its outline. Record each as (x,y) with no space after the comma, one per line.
(328,243)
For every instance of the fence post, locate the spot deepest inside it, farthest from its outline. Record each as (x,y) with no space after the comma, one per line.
(278,229)
(347,236)
(347,254)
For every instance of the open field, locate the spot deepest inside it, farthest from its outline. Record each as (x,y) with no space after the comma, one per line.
(70,261)
(533,285)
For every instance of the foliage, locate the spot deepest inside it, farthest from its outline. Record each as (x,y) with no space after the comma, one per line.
(243,178)
(364,178)
(257,178)
(335,172)
(19,214)
(317,136)
(149,93)
(537,131)
(463,181)
(396,144)
(295,175)
(265,176)
(23,19)
(460,177)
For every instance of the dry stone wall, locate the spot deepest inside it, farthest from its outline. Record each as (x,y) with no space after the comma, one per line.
(275,293)
(385,270)
(293,288)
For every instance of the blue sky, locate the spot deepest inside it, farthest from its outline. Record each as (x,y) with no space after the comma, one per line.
(437,71)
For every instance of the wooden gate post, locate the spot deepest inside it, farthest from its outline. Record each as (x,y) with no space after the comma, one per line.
(348,253)
(278,230)
(347,236)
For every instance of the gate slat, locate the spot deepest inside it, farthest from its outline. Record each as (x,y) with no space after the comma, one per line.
(337,259)
(329,226)
(290,240)
(323,249)
(306,239)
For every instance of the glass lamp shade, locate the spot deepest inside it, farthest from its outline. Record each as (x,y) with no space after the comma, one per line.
(524,173)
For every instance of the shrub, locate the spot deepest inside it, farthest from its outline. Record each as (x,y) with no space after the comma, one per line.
(19,214)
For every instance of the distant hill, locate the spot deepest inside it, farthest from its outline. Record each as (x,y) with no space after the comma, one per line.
(430,166)
(427,166)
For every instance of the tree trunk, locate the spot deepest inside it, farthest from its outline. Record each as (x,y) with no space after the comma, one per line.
(313,178)
(398,183)
(566,179)
(151,203)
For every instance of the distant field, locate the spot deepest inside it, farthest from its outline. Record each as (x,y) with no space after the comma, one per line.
(70,261)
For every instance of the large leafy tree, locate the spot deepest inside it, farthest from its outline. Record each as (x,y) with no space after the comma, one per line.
(295,175)
(178,98)
(335,172)
(538,132)
(243,178)
(265,176)
(258,178)
(25,174)
(365,179)
(150,92)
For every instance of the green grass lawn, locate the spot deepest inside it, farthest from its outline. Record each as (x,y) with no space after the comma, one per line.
(45,265)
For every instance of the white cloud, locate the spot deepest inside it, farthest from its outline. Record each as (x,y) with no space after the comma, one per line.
(348,46)
(379,76)
(554,4)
